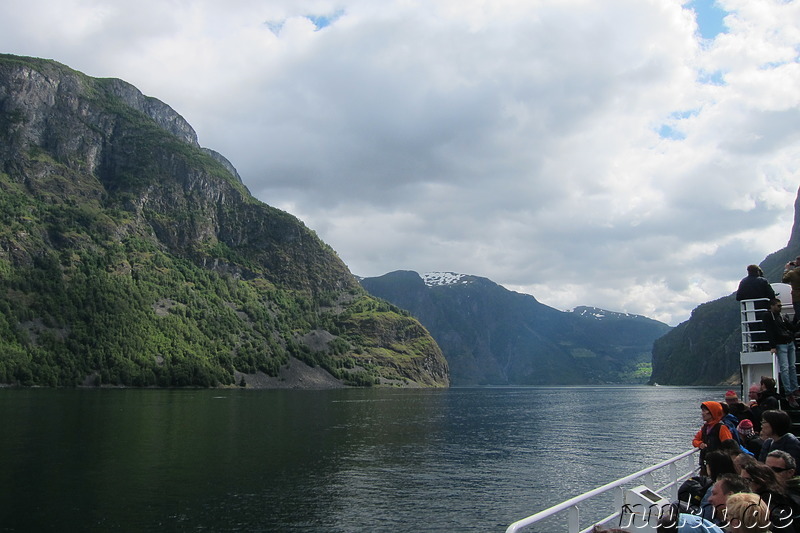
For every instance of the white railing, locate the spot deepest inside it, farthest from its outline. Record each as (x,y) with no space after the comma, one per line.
(571,506)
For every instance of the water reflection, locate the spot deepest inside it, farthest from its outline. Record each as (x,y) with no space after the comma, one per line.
(344,460)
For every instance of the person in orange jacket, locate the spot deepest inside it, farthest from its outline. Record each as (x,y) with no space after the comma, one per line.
(713,431)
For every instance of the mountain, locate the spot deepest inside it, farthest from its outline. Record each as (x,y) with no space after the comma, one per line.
(493,336)
(129,255)
(704,350)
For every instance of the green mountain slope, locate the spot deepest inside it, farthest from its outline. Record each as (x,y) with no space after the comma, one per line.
(130,255)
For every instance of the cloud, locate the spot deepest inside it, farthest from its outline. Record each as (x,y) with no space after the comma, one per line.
(590,153)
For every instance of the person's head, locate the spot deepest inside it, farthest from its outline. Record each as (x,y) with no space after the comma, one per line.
(730,448)
(754,270)
(762,478)
(767,383)
(775,424)
(711,411)
(719,462)
(742,460)
(782,464)
(731,397)
(775,305)
(745,429)
(726,485)
(753,391)
(747,513)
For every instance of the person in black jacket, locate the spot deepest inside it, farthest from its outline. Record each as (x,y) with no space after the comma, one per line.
(756,287)
(780,335)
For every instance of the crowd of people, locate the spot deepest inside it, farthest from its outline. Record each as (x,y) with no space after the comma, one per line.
(748,480)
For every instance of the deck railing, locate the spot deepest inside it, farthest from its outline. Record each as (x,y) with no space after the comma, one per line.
(674,477)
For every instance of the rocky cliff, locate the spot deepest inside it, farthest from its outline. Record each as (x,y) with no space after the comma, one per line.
(131,255)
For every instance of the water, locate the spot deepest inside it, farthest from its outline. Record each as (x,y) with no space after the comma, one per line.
(352,460)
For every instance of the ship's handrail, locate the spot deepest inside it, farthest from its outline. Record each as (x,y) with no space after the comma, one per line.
(571,505)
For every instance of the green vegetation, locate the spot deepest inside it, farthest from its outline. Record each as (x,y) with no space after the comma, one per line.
(131,257)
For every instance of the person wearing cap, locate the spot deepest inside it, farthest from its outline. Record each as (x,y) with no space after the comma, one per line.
(791,275)
(754,286)
(748,437)
(780,336)
(736,407)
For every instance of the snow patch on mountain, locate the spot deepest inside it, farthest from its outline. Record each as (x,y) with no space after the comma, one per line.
(599,314)
(434,279)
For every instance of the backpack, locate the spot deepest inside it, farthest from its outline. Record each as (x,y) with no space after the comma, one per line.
(691,493)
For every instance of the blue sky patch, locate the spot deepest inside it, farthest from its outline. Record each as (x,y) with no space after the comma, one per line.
(668,132)
(322,21)
(711,78)
(709,18)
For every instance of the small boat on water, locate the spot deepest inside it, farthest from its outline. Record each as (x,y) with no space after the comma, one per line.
(639,497)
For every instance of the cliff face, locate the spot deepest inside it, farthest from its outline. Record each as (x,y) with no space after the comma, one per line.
(704,350)
(493,336)
(125,247)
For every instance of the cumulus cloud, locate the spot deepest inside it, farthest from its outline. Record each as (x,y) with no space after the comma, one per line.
(589,153)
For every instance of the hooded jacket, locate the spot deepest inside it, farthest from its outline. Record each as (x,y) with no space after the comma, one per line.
(709,434)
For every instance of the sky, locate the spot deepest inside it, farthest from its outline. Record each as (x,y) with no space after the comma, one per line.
(634,155)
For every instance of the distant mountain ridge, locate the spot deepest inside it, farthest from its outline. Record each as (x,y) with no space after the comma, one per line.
(493,336)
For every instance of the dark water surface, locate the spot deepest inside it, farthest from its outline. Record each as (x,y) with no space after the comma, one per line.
(353,460)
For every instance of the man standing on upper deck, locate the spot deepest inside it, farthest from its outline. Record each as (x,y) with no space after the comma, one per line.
(791,275)
(780,334)
(755,287)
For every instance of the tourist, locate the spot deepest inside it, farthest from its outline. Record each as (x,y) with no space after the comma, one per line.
(717,463)
(791,275)
(764,482)
(755,287)
(768,400)
(725,486)
(780,337)
(742,460)
(775,430)
(752,394)
(713,431)
(784,467)
(782,464)
(747,513)
(748,437)
(736,407)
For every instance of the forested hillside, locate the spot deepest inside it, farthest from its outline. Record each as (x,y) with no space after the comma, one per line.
(131,256)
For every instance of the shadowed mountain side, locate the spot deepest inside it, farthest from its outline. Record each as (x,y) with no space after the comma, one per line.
(704,350)
(493,336)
